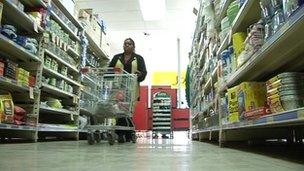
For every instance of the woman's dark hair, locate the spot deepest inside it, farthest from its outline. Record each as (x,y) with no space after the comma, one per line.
(131,41)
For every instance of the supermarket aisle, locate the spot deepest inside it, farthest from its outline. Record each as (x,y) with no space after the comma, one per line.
(145,155)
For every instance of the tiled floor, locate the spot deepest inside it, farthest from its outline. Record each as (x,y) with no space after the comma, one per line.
(147,154)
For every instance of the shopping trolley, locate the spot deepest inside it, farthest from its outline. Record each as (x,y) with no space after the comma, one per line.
(115,91)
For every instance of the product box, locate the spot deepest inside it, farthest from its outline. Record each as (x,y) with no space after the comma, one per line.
(6,108)
(1,9)
(1,69)
(233,104)
(251,96)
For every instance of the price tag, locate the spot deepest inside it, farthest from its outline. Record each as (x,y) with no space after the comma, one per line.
(31,93)
(300,114)
(36,27)
(72,117)
(75,98)
(270,119)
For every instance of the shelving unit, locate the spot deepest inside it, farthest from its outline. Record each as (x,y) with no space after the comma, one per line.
(58,58)
(161,108)
(23,93)
(280,53)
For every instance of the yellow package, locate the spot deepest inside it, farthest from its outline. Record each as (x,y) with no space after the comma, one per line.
(6,108)
(251,95)
(238,40)
(233,104)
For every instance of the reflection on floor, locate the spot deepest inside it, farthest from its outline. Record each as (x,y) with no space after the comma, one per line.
(147,154)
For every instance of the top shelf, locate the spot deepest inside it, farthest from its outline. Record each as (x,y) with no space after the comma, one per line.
(95,48)
(67,14)
(34,3)
(282,52)
(223,11)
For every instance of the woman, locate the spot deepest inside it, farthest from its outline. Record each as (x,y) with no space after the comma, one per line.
(134,64)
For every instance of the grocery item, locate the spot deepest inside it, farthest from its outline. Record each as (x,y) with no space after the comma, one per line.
(6,108)
(10,70)
(251,96)
(54,103)
(285,92)
(238,40)
(19,115)
(1,68)
(1,10)
(233,104)
(233,10)
(290,6)
(267,9)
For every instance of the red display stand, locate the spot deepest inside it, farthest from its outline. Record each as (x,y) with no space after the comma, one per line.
(168,90)
(180,119)
(141,116)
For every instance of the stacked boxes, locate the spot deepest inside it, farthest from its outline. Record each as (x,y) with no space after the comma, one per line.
(285,92)
(10,70)
(23,77)
(92,25)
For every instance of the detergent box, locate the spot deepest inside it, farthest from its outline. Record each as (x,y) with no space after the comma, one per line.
(251,96)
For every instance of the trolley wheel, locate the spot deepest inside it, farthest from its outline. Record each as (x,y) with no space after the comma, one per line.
(121,138)
(91,138)
(133,138)
(97,137)
(111,139)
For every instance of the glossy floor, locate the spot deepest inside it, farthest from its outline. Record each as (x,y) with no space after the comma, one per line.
(147,154)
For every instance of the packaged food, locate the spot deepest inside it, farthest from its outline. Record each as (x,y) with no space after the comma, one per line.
(6,108)
(251,96)
(233,104)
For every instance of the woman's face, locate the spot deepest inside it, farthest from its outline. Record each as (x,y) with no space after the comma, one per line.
(128,46)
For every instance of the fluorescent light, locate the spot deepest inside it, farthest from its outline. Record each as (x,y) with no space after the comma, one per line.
(153,9)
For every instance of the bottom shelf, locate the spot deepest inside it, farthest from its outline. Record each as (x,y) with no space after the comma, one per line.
(56,128)
(16,127)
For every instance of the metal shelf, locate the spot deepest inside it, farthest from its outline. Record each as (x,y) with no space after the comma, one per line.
(34,3)
(224,44)
(246,16)
(95,48)
(210,129)
(65,27)
(90,94)
(67,14)
(12,85)
(158,110)
(162,128)
(56,128)
(161,104)
(85,111)
(20,18)
(275,55)
(61,60)
(15,51)
(56,91)
(162,119)
(288,118)
(56,111)
(161,98)
(16,127)
(161,123)
(162,114)
(73,53)
(58,75)
(223,11)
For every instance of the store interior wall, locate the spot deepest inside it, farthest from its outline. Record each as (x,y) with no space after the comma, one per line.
(156,41)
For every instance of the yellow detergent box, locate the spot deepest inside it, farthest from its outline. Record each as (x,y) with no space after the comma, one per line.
(233,104)
(251,96)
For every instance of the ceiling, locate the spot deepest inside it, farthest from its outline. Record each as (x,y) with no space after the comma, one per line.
(155,40)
